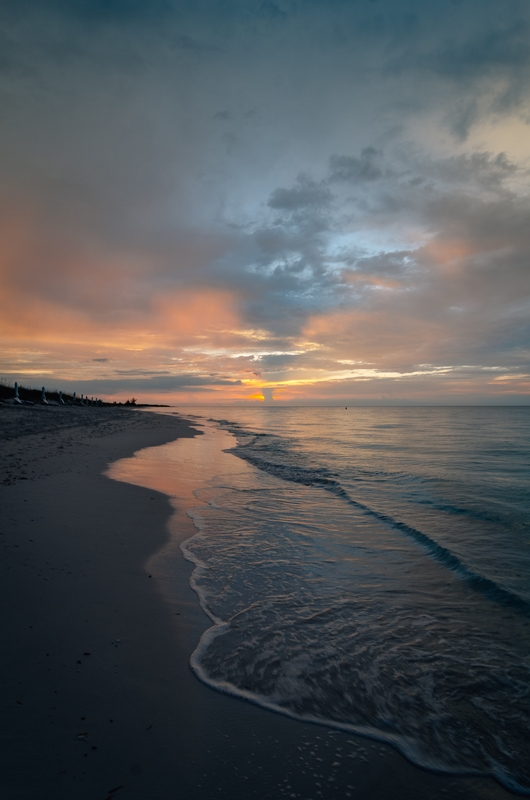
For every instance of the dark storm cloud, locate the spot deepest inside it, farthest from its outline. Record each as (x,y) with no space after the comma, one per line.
(366,167)
(272,12)
(306,194)
(485,59)
(505,48)
(483,169)
(121,10)
(96,10)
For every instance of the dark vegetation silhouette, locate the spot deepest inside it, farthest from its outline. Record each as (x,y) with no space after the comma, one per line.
(55,396)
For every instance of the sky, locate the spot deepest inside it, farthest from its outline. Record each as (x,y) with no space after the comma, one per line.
(306,202)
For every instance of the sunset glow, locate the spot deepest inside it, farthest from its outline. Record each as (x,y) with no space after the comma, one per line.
(300,235)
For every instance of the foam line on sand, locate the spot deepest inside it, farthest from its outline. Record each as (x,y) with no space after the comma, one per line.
(98,699)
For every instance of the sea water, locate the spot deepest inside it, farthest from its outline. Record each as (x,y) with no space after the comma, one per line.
(370,569)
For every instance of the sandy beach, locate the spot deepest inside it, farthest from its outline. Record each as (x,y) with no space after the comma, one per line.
(98,698)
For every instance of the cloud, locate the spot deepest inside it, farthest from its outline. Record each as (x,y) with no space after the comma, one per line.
(485,62)
(461,287)
(161,384)
(264,187)
(365,167)
(483,52)
(306,193)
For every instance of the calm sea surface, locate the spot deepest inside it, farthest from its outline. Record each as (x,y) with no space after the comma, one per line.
(369,568)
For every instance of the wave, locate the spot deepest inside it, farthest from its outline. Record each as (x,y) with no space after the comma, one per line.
(320,477)
(444,680)
(351,664)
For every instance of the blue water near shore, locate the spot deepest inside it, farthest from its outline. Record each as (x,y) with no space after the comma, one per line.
(371,570)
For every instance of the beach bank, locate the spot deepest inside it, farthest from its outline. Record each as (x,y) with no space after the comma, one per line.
(98,697)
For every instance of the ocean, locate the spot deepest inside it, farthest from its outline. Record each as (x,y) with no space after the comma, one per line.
(366,569)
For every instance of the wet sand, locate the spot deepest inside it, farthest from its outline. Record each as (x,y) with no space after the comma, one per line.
(98,698)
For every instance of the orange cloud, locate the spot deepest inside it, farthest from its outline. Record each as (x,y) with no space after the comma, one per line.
(71,312)
(447,252)
(189,313)
(380,337)
(443,250)
(74,312)
(54,291)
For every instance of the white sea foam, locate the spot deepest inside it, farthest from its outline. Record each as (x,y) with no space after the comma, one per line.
(324,609)
(372,577)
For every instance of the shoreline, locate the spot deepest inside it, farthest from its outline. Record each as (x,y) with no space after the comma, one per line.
(91,638)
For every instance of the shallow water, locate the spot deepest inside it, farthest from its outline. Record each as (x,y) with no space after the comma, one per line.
(369,568)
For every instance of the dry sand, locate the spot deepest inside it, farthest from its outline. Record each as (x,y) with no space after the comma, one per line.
(98,699)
